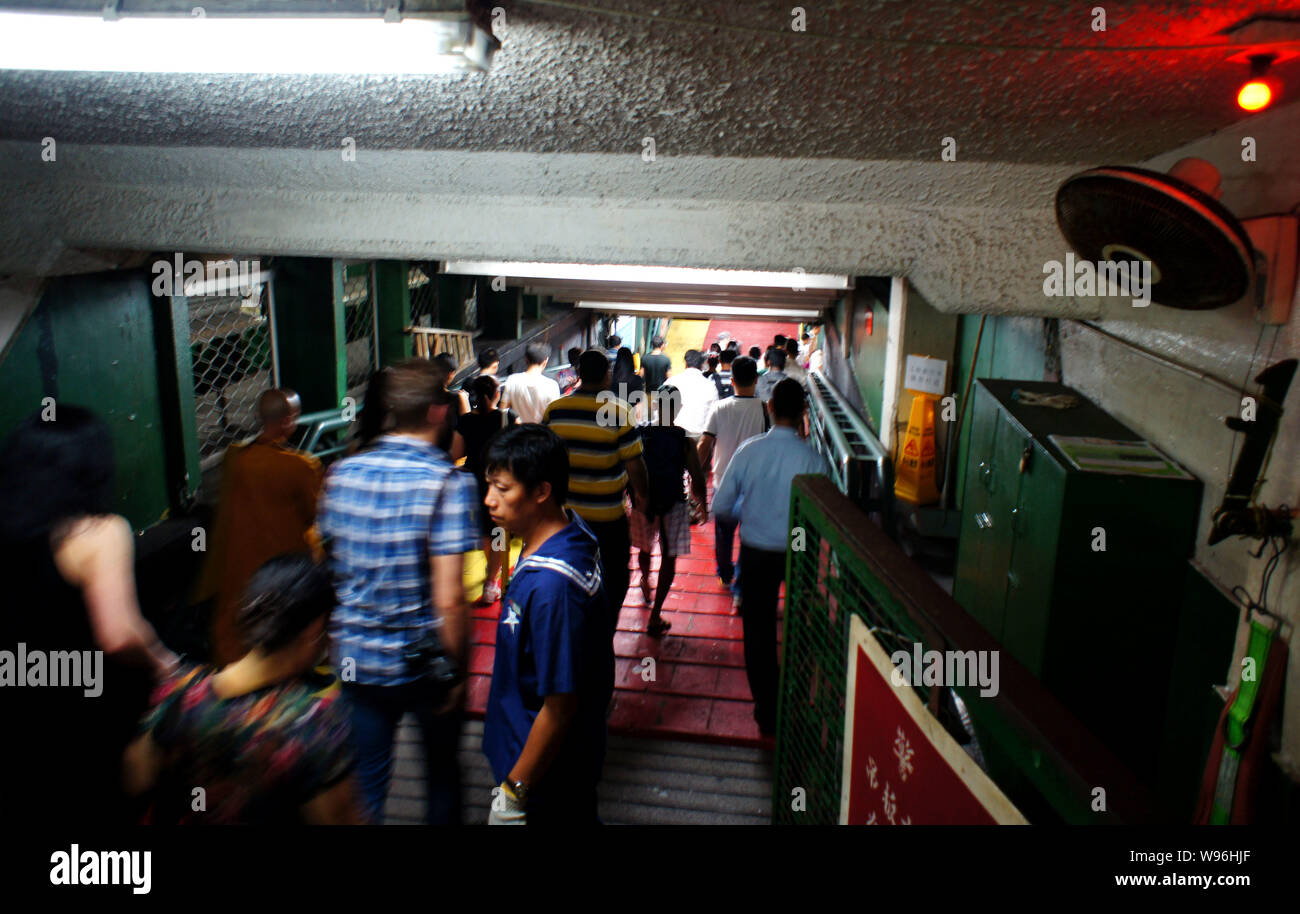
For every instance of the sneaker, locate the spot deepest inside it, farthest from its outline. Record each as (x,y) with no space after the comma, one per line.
(491,593)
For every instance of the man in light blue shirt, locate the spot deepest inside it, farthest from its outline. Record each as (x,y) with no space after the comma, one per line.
(755,490)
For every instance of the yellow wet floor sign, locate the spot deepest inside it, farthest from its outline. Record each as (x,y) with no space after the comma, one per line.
(914,478)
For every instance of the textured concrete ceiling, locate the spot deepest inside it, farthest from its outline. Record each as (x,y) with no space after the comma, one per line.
(887,79)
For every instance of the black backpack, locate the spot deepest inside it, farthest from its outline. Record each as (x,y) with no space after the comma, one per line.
(665,460)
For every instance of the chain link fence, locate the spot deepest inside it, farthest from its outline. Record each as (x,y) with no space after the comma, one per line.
(424,297)
(359,325)
(826,585)
(230,353)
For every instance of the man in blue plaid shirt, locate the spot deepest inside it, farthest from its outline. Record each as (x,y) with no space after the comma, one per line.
(397,519)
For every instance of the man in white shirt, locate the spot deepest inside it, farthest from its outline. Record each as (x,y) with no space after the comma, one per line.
(698,394)
(731,422)
(529,392)
(792,367)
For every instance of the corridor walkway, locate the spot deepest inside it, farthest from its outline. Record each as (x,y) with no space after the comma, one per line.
(689,684)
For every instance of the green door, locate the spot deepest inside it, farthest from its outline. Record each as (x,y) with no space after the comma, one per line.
(1030,573)
(978,547)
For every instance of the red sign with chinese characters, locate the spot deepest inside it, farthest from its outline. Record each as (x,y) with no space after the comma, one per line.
(900,766)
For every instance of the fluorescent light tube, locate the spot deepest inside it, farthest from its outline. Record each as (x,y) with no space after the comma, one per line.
(246,44)
(702,310)
(687,276)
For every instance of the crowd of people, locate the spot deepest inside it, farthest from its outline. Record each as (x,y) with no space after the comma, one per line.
(338,599)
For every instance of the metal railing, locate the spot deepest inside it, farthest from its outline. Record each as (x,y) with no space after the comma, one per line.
(860,465)
(319,433)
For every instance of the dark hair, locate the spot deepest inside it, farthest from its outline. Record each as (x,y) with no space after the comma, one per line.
(371,422)
(744,371)
(624,366)
(714,347)
(532,454)
(282,598)
(726,357)
(593,365)
(713,361)
(805,336)
(487,357)
(788,399)
(411,387)
(448,363)
(574,354)
(755,353)
(775,358)
(693,358)
(536,353)
(484,388)
(54,471)
(733,346)
(779,341)
(792,347)
(613,342)
(657,341)
(668,399)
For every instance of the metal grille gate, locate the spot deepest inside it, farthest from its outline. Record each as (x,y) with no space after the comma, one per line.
(230,353)
(825,585)
(359,325)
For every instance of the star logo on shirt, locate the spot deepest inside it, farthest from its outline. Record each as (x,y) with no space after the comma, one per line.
(513,618)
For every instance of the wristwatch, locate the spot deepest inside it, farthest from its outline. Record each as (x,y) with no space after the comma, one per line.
(517,789)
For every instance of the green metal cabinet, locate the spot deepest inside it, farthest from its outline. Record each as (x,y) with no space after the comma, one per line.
(1098,627)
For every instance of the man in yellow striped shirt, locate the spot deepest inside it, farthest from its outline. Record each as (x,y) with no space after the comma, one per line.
(604,447)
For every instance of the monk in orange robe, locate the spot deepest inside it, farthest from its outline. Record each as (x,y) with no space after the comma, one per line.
(267,508)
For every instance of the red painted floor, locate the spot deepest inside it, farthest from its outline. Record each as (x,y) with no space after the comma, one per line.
(750,333)
(698,691)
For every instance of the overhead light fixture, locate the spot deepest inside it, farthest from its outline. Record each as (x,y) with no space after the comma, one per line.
(245,43)
(1258,92)
(685,276)
(702,310)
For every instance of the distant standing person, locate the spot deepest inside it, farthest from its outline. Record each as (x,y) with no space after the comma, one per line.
(755,491)
(655,365)
(775,374)
(553,669)
(529,392)
(722,377)
(477,429)
(604,461)
(267,506)
(698,394)
(489,362)
(669,455)
(731,423)
(792,367)
(567,377)
(627,385)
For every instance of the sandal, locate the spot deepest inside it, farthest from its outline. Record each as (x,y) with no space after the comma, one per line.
(658,627)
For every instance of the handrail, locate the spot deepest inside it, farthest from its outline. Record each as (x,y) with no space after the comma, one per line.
(860,465)
(314,426)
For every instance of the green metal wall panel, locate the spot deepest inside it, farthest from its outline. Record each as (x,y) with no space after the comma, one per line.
(310,330)
(393,310)
(1012,347)
(91,342)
